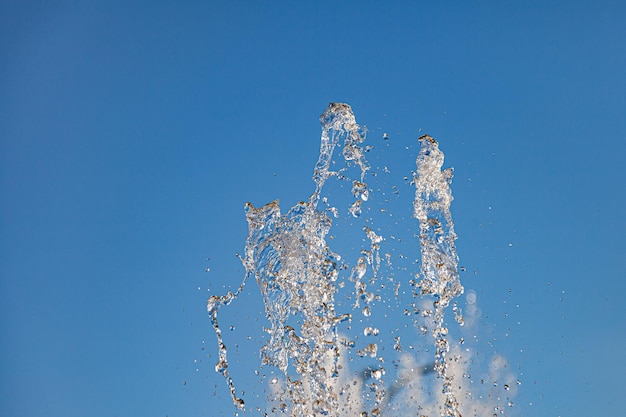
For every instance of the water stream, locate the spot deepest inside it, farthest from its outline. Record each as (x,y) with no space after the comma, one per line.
(349,273)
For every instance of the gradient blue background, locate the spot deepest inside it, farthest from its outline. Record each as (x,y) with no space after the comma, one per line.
(132,134)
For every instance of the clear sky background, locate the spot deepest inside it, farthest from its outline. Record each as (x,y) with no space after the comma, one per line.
(131,135)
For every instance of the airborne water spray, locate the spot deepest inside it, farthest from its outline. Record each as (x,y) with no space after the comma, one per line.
(326,309)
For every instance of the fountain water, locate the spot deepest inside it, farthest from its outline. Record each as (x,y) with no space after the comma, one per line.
(324,335)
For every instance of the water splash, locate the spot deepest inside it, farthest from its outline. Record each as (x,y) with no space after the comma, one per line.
(440,275)
(327,337)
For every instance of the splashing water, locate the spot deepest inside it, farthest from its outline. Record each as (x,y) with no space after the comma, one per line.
(327,338)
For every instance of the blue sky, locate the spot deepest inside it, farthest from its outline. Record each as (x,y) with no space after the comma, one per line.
(131,135)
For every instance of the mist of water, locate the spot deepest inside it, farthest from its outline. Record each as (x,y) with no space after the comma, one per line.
(337,316)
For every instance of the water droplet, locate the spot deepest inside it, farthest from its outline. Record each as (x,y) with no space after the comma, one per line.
(378,373)
(221,366)
(396,345)
(355,208)
(370,331)
(359,190)
(239,403)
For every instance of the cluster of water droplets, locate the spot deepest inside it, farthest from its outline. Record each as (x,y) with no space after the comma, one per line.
(322,333)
